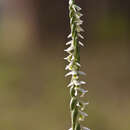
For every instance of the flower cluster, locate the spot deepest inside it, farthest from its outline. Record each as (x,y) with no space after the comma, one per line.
(77,106)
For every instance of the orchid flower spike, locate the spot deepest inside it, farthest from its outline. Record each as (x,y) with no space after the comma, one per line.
(77,106)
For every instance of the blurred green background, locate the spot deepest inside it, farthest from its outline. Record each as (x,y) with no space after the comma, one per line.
(33,93)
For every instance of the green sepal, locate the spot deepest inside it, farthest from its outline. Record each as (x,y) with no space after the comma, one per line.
(72,91)
(77,127)
(74,117)
(73,103)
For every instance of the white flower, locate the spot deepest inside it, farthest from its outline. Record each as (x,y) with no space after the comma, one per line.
(68,58)
(70,35)
(83,113)
(80,36)
(70,42)
(71,73)
(82,82)
(83,93)
(69,49)
(79,21)
(82,90)
(70,2)
(69,67)
(80,29)
(77,7)
(70,84)
(84,104)
(73,6)
(80,43)
(78,83)
(78,15)
(78,64)
(85,128)
(81,73)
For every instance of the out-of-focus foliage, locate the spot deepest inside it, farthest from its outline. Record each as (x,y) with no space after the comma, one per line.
(33,93)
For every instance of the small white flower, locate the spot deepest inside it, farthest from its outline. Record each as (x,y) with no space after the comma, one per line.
(82,82)
(84,104)
(82,90)
(77,7)
(69,67)
(71,73)
(85,128)
(70,42)
(68,58)
(70,35)
(78,15)
(70,2)
(73,6)
(79,21)
(70,129)
(76,92)
(80,43)
(80,36)
(83,93)
(78,83)
(78,64)
(80,29)
(83,114)
(69,49)
(70,84)
(81,73)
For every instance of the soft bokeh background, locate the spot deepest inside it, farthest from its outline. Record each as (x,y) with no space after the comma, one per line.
(33,93)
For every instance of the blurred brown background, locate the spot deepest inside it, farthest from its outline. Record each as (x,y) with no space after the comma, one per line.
(33,93)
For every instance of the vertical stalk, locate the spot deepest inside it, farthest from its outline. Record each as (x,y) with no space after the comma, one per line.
(77,106)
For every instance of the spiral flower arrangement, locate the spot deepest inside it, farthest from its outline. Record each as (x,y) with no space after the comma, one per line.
(77,91)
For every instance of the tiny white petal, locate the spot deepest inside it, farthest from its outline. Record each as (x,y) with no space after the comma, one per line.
(76,92)
(82,82)
(68,58)
(77,83)
(81,73)
(74,8)
(70,84)
(70,2)
(85,128)
(78,15)
(72,58)
(84,105)
(82,90)
(70,35)
(81,43)
(69,49)
(70,129)
(80,29)
(78,64)
(71,73)
(77,7)
(69,66)
(80,36)
(68,43)
(79,21)
(83,114)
